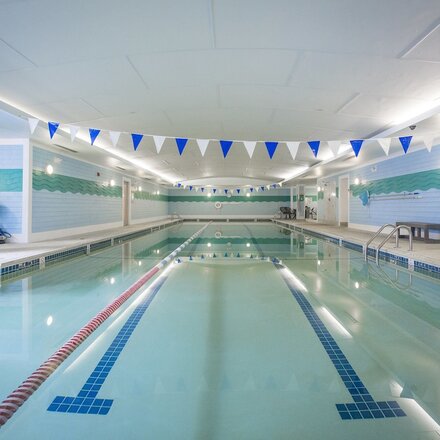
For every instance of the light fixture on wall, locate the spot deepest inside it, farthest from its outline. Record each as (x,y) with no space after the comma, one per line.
(209,194)
(333,194)
(248,194)
(49,169)
(112,182)
(139,188)
(356,181)
(318,189)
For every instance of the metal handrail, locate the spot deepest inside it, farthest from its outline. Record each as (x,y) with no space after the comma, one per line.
(374,236)
(397,228)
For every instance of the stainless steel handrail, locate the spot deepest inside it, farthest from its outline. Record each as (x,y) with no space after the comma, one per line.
(397,228)
(374,236)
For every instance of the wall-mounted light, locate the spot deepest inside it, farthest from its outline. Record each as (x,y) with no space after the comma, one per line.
(248,194)
(356,181)
(209,244)
(139,188)
(248,245)
(319,188)
(209,194)
(112,280)
(356,285)
(333,194)
(112,182)
(49,320)
(49,169)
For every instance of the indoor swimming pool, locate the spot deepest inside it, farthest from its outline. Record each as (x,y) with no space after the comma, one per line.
(251,332)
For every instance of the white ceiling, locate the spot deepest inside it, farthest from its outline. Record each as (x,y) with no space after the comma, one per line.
(221,69)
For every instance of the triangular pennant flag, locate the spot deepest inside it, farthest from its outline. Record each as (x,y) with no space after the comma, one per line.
(53,127)
(214,190)
(226,191)
(293,148)
(262,188)
(202,189)
(136,138)
(33,122)
(385,143)
(179,185)
(114,136)
(314,146)
(334,147)
(238,190)
(158,141)
(190,187)
(73,132)
(429,141)
(203,145)
(181,144)
(196,188)
(250,147)
(271,148)
(94,132)
(405,141)
(226,146)
(251,189)
(356,145)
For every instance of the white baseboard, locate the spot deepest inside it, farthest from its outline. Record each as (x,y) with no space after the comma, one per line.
(16,238)
(150,219)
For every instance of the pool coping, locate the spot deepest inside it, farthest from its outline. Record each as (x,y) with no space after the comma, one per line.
(412,264)
(82,246)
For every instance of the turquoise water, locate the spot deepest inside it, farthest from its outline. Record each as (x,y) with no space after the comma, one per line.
(224,350)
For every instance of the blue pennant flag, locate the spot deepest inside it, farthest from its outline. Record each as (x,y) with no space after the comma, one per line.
(356,145)
(271,148)
(251,190)
(238,190)
(226,191)
(214,190)
(202,189)
(190,188)
(179,185)
(93,134)
(261,188)
(181,144)
(136,140)
(405,141)
(314,145)
(53,127)
(226,146)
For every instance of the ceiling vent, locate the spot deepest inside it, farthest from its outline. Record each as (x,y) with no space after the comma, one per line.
(120,168)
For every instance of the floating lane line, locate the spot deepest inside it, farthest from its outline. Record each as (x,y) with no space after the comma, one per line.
(22,393)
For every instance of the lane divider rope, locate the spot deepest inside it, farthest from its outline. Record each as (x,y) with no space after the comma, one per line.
(22,393)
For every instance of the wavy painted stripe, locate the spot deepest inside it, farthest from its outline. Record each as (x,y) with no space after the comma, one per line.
(144,195)
(73,185)
(421,181)
(11,180)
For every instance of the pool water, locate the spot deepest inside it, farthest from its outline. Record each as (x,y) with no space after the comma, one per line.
(226,345)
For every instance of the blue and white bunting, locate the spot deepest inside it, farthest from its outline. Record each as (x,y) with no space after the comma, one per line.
(136,138)
(203,145)
(356,145)
(33,122)
(385,144)
(94,132)
(250,147)
(405,142)
(158,142)
(53,127)
(225,146)
(181,144)
(428,141)
(334,147)
(314,146)
(73,129)
(293,148)
(114,137)
(271,148)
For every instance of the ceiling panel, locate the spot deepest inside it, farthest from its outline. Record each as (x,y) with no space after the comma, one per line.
(11,59)
(322,25)
(427,49)
(207,67)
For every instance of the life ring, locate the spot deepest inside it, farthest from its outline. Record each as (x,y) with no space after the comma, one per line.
(218,234)
(218,205)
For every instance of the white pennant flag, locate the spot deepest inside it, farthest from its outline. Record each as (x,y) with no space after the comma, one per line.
(33,124)
(73,132)
(293,148)
(385,144)
(250,147)
(158,141)
(334,147)
(203,145)
(114,136)
(428,141)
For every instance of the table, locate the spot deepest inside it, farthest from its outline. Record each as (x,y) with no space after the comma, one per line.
(418,227)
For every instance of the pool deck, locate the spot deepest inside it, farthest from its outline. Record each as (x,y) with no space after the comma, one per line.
(425,252)
(16,253)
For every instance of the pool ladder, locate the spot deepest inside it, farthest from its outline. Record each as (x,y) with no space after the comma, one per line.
(395,229)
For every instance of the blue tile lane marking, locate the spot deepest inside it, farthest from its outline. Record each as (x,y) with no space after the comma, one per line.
(86,402)
(363,406)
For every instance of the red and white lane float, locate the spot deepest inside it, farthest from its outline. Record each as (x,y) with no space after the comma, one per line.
(16,399)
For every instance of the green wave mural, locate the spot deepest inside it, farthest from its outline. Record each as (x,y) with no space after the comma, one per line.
(421,181)
(74,185)
(144,195)
(11,180)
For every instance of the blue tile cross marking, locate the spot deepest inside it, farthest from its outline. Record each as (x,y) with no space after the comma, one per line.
(363,406)
(86,401)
